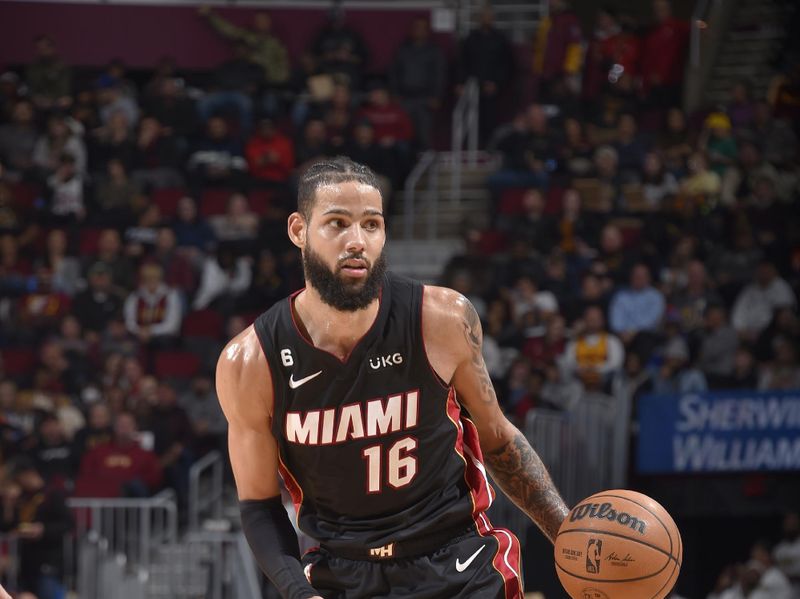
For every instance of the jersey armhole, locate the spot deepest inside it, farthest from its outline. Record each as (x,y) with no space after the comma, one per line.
(435,374)
(266,345)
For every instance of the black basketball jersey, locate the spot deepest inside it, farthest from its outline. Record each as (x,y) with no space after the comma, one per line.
(374,448)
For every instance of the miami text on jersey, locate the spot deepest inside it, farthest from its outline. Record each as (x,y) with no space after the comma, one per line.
(363,420)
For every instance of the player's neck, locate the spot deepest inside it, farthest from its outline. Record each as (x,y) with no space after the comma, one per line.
(332,330)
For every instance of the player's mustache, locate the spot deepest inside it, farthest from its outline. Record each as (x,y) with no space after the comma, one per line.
(359,256)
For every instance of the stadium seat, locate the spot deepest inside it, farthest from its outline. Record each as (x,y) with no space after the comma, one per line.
(176,364)
(18,360)
(260,200)
(25,194)
(167,200)
(203,323)
(492,241)
(215,201)
(511,200)
(88,241)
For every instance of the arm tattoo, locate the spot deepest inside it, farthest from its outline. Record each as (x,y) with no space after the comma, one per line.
(520,473)
(474,336)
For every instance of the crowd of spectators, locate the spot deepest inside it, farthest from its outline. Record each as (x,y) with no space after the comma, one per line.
(633,248)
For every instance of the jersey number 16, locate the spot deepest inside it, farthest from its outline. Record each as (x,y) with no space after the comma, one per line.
(401,464)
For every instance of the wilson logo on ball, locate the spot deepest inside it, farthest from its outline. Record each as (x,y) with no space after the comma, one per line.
(604,510)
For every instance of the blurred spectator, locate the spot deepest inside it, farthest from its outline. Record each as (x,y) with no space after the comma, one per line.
(112,98)
(718,142)
(40,518)
(674,142)
(97,431)
(575,150)
(176,264)
(18,140)
(153,311)
(238,226)
(223,279)
(417,77)
(692,297)
(192,231)
(740,179)
(755,304)
(533,226)
(776,135)
(392,124)
(60,139)
(637,308)
(340,50)
(658,185)
(156,156)
(364,148)
(217,158)
(42,307)
(49,79)
(172,107)
(114,140)
(65,191)
(121,467)
(486,55)
(663,56)
(109,251)
(544,351)
(676,375)
(741,108)
(526,297)
(702,186)
(761,579)
(263,48)
(65,269)
(270,154)
(209,427)
(267,285)
(312,144)
(782,373)
(595,355)
(338,113)
(115,196)
(96,305)
(558,52)
(528,150)
(52,453)
(630,147)
(786,554)
(233,86)
(717,351)
(18,420)
(172,439)
(615,261)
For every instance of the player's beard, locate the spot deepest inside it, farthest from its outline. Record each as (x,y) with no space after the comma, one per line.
(347,295)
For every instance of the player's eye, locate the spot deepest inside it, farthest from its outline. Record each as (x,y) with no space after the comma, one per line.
(372,225)
(338,223)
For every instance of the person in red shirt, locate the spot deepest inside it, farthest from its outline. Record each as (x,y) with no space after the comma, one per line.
(121,468)
(389,119)
(270,154)
(663,56)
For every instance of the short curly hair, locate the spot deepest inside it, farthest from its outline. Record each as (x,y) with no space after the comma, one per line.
(327,172)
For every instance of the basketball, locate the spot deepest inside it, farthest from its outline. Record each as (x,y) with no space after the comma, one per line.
(618,544)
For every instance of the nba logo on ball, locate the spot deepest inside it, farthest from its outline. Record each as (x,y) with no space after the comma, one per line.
(626,544)
(593,556)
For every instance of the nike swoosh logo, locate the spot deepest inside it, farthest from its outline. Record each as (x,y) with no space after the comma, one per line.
(461,567)
(294,384)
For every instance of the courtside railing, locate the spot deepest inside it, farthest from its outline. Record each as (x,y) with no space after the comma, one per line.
(205,489)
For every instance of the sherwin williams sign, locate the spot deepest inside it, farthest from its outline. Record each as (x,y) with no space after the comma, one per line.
(737,431)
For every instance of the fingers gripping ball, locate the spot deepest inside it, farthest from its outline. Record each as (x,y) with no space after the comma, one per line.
(618,544)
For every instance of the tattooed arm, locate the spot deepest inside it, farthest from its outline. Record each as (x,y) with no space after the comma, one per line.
(454,338)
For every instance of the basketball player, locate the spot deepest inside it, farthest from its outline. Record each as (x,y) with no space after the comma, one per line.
(356,390)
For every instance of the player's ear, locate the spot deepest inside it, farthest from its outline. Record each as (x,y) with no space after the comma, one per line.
(297,228)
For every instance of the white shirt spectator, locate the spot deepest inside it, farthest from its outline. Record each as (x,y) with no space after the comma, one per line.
(754,306)
(214,281)
(787,557)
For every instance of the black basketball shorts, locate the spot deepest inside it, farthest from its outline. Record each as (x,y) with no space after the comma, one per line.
(470,566)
